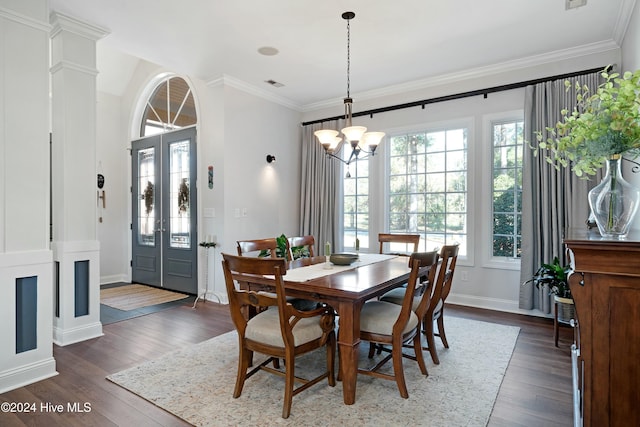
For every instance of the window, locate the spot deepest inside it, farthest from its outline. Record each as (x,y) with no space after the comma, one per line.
(356,203)
(170,107)
(428,186)
(507,140)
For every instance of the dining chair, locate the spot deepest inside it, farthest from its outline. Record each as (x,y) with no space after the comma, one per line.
(280,332)
(301,246)
(425,284)
(385,324)
(390,239)
(435,310)
(254,247)
(248,247)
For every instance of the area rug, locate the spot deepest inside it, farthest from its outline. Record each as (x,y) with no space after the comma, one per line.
(134,296)
(196,384)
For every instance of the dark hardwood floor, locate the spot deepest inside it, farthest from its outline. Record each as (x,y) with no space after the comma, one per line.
(536,390)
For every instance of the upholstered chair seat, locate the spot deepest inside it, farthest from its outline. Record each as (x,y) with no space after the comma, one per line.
(378,317)
(265,328)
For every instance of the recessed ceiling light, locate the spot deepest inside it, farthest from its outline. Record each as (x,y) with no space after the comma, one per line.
(268,51)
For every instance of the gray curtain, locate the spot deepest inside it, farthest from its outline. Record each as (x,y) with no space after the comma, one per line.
(552,200)
(320,189)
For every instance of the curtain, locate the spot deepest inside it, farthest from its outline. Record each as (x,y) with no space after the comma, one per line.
(552,200)
(319,215)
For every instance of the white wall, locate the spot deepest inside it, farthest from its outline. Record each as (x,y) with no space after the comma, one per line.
(112,161)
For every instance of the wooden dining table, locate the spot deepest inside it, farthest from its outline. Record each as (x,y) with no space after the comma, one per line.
(346,291)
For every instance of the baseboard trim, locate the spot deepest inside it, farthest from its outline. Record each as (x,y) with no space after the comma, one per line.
(507,306)
(27,374)
(73,335)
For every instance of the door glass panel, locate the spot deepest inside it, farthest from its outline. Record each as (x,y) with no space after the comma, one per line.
(180,208)
(146,204)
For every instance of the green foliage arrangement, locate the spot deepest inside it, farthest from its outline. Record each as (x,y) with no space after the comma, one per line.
(604,124)
(281,249)
(555,276)
(282,252)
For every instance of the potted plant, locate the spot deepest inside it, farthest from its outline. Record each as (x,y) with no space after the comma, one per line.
(554,276)
(604,126)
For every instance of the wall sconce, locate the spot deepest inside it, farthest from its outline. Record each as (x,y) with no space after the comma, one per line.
(270,158)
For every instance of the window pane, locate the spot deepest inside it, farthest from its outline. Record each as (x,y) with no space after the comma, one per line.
(180,208)
(147,197)
(507,188)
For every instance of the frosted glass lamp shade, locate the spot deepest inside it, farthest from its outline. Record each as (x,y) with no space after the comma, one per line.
(372,139)
(354,133)
(326,136)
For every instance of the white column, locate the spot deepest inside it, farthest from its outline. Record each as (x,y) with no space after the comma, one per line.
(26,348)
(76,249)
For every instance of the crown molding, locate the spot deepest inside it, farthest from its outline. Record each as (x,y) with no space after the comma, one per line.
(226,80)
(24,20)
(622,23)
(61,22)
(474,73)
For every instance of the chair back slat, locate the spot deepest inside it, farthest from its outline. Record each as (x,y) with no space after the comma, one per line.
(245,247)
(408,239)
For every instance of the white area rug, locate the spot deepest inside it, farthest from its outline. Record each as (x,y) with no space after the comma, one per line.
(196,384)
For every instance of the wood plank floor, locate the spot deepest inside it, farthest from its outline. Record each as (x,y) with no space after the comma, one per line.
(536,390)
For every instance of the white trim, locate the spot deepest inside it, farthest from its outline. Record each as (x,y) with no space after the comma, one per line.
(61,22)
(68,336)
(495,304)
(486,208)
(474,73)
(27,374)
(622,23)
(24,20)
(253,90)
(66,65)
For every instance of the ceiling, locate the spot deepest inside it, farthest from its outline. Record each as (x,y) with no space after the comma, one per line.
(393,44)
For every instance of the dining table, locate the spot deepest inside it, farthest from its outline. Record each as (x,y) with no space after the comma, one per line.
(346,289)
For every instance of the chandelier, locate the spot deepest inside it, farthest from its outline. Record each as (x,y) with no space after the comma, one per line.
(357,137)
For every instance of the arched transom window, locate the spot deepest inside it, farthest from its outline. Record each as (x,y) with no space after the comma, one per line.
(169,107)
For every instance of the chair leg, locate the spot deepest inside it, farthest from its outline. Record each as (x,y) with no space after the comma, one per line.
(431,342)
(289,384)
(398,370)
(372,350)
(443,337)
(417,348)
(244,360)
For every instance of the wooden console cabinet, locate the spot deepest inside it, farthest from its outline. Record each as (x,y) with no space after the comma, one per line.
(605,285)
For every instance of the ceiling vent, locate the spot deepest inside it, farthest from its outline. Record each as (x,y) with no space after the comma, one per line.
(573,4)
(274,83)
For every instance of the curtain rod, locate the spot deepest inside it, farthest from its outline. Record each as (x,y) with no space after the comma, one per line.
(483,92)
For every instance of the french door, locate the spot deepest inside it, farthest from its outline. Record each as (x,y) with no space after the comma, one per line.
(164,242)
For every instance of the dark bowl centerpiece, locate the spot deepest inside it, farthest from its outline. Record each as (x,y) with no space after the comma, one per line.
(343,259)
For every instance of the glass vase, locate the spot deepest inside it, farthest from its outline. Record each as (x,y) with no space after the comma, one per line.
(614,202)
